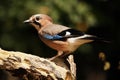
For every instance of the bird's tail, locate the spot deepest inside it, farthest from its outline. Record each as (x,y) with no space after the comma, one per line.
(95,38)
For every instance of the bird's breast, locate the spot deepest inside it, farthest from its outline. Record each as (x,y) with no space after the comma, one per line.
(56,44)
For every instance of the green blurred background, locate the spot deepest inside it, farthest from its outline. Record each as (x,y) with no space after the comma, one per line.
(96,17)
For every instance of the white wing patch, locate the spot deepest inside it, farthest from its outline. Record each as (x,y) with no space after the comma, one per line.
(67,33)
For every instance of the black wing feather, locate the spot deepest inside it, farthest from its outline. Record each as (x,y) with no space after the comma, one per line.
(72,32)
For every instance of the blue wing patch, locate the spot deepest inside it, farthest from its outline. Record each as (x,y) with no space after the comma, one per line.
(52,37)
(64,35)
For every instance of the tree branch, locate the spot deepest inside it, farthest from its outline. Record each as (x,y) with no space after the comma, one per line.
(31,67)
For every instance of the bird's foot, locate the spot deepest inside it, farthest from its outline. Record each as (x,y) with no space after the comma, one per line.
(56,56)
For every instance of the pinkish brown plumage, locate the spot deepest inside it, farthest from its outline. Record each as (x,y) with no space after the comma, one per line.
(61,38)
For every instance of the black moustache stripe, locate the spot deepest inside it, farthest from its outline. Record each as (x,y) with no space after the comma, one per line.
(37,23)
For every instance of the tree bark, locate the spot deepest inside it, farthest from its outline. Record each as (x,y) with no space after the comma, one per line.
(31,67)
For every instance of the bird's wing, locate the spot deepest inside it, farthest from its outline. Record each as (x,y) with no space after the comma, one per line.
(63,35)
(59,32)
(71,33)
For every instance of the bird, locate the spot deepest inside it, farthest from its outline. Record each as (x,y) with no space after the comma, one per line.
(63,39)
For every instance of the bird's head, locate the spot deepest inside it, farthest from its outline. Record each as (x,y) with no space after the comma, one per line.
(39,20)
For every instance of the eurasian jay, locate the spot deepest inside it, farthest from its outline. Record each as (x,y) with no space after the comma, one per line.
(61,38)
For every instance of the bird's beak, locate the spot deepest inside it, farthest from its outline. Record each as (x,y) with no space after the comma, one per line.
(27,21)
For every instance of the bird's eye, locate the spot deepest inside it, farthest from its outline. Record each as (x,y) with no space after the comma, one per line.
(38,18)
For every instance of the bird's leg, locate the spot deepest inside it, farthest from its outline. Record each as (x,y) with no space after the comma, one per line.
(58,54)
